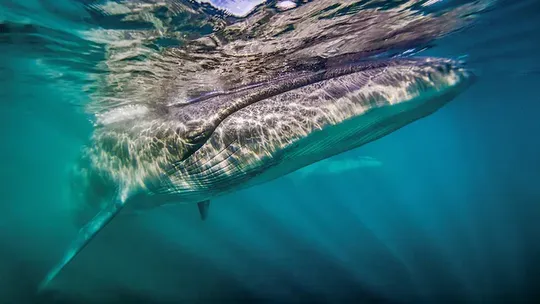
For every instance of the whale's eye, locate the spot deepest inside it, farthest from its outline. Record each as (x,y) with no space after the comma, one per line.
(194,136)
(197,134)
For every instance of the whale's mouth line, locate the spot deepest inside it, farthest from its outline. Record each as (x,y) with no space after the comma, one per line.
(321,74)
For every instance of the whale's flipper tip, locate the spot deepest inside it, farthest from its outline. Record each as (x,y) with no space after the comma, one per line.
(203,209)
(85,235)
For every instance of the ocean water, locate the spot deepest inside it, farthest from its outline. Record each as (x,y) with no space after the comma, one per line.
(445,209)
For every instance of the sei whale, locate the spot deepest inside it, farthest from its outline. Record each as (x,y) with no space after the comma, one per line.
(229,140)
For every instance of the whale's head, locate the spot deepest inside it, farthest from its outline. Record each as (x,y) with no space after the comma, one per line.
(265,131)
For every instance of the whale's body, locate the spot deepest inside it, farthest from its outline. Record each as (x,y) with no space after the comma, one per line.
(225,141)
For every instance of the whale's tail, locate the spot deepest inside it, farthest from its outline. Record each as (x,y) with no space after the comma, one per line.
(85,235)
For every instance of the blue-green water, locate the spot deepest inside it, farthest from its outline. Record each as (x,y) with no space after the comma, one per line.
(452,214)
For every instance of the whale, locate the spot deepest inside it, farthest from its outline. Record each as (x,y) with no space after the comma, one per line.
(151,155)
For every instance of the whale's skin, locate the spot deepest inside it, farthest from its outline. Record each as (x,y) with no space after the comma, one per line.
(231,140)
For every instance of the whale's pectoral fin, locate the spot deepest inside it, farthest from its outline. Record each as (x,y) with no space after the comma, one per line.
(203,209)
(85,235)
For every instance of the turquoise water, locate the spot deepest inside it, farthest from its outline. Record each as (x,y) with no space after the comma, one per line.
(449,213)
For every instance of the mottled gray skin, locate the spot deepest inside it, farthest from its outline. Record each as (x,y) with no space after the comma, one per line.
(231,140)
